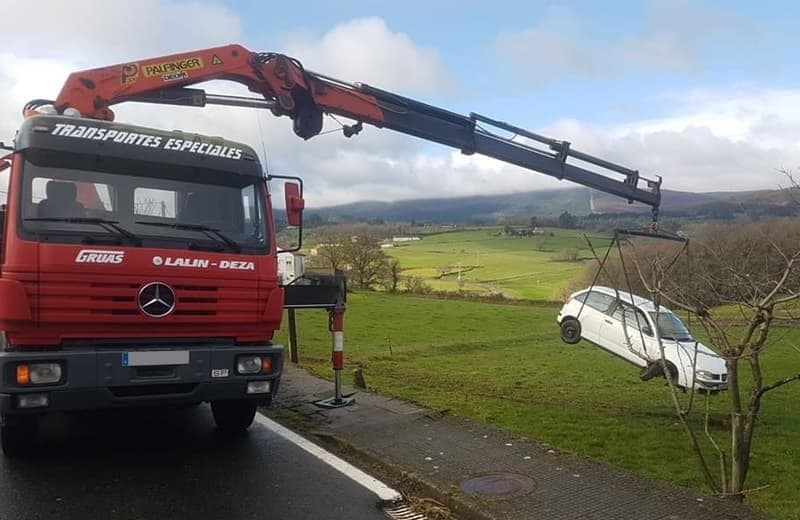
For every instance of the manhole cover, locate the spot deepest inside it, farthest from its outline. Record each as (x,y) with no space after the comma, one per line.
(498,485)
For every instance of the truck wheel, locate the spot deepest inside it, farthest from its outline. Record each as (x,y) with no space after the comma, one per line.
(18,435)
(570,330)
(235,415)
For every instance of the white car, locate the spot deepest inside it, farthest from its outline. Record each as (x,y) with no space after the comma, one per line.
(623,325)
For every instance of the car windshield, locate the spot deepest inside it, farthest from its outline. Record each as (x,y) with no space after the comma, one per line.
(671,327)
(75,198)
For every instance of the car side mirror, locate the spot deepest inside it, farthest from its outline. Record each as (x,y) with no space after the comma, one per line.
(647,330)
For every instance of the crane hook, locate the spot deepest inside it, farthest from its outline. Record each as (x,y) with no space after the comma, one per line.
(351,130)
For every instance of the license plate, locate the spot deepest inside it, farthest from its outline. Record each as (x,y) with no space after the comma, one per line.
(149,358)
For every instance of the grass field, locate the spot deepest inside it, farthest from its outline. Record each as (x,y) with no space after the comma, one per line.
(518,267)
(504,365)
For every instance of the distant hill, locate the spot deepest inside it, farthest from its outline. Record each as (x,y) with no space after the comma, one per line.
(476,209)
(551,203)
(712,204)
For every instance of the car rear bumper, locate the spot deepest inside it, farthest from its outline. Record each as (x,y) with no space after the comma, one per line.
(97,378)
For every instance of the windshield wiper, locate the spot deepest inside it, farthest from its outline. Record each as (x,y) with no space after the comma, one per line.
(209,231)
(112,225)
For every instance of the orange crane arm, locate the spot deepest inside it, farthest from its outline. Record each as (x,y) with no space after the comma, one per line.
(275,77)
(287,88)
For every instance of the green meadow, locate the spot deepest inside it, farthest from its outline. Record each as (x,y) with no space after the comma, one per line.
(536,268)
(505,365)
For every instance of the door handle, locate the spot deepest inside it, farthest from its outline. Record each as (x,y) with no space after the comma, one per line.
(609,322)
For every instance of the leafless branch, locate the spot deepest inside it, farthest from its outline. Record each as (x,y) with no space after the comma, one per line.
(723,466)
(778,384)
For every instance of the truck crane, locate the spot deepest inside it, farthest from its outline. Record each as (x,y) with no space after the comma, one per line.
(138,266)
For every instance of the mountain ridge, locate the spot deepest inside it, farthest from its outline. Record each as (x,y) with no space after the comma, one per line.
(551,203)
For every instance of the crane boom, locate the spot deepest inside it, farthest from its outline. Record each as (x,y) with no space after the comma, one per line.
(287,88)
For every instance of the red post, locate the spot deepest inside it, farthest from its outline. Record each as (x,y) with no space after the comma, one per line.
(337,335)
(337,355)
(336,325)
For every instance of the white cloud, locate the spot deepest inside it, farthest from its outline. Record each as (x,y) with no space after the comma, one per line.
(676,37)
(712,140)
(368,51)
(335,168)
(722,140)
(99,32)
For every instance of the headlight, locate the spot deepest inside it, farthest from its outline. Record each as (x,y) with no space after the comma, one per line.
(705,374)
(248,364)
(38,373)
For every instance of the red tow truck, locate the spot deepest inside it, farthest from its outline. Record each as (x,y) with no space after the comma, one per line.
(138,266)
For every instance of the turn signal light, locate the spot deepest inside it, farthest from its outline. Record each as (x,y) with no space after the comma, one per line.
(266,364)
(38,373)
(23,375)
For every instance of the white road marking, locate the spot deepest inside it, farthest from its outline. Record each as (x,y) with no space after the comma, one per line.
(384,492)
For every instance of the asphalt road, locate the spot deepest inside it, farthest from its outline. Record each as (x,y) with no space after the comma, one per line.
(171,464)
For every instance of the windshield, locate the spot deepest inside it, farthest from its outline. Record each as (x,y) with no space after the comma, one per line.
(671,327)
(86,199)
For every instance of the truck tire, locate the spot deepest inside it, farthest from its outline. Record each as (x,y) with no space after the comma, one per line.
(18,435)
(570,331)
(235,415)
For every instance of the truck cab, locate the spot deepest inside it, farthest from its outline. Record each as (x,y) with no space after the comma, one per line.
(137,267)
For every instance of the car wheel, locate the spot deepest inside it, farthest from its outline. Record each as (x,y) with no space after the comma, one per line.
(570,331)
(671,373)
(650,371)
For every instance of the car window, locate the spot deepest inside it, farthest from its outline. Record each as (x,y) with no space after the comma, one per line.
(581,297)
(599,301)
(636,319)
(671,327)
(632,317)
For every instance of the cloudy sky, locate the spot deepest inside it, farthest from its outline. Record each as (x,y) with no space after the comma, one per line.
(705,94)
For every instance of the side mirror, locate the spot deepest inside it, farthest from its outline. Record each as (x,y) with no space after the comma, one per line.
(294,204)
(647,330)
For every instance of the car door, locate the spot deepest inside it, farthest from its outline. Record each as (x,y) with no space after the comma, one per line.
(621,325)
(592,314)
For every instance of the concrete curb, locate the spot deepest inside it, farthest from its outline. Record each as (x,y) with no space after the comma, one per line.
(407,482)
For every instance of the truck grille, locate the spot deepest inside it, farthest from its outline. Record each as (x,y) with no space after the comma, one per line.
(85,299)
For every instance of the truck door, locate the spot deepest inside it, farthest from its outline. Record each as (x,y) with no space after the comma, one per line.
(5,168)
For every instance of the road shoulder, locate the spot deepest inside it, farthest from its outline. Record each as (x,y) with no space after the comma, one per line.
(437,453)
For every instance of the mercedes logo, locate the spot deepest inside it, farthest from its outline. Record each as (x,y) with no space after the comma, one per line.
(156,299)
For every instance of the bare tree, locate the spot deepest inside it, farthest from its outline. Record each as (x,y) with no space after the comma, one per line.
(366,260)
(416,285)
(392,274)
(756,270)
(331,249)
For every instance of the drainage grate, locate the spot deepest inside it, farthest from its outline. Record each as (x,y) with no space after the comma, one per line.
(498,485)
(403,512)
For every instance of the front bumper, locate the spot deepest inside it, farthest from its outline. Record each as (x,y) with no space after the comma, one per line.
(710,386)
(96,378)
